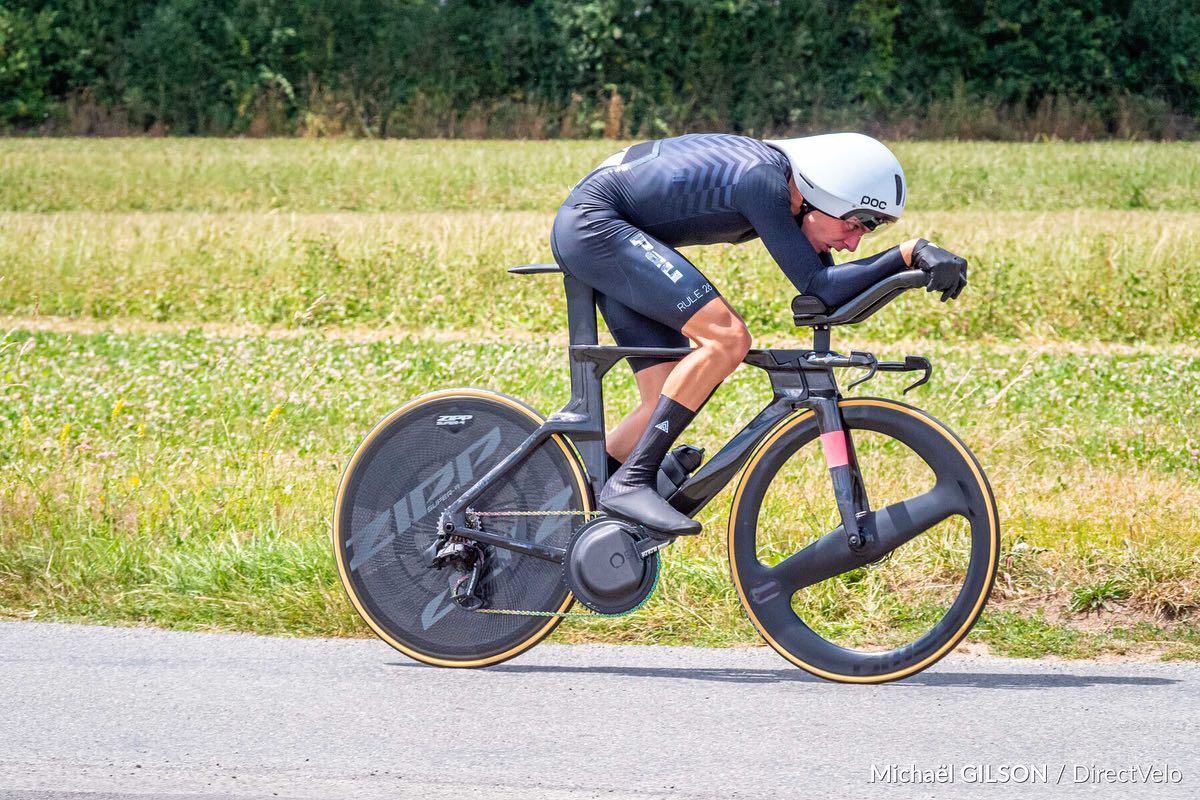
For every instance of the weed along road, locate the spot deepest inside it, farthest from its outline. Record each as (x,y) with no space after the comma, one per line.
(92,712)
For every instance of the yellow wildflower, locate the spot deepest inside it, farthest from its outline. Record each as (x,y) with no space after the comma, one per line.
(275,412)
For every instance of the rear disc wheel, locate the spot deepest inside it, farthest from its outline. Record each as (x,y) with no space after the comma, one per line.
(398,482)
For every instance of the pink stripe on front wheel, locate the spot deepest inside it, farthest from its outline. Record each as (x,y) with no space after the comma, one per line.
(834,444)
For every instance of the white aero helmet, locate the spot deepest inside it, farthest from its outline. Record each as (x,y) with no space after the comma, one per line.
(847,175)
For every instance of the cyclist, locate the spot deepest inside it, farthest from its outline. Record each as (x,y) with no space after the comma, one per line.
(618,230)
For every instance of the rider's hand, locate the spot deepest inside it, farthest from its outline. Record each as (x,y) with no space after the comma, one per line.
(947,272)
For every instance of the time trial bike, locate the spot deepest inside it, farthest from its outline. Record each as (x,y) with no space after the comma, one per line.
(464,525)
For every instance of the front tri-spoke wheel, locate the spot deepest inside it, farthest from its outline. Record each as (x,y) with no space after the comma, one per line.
(895,608)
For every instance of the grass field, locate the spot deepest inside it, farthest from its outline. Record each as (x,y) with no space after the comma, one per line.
(199,332)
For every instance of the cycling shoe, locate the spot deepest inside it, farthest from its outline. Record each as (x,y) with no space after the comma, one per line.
(646,507)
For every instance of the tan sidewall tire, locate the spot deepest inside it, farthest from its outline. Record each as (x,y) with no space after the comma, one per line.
(993,534)
(339,550)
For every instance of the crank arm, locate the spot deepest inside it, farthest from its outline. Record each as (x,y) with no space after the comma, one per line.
(651,544)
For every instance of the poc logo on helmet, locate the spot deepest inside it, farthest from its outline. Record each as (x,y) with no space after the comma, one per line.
(453,419)
(872,202)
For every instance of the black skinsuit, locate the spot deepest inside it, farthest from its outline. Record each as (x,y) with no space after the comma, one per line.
(618,229)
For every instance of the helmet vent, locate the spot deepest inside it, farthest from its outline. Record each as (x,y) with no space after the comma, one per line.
(899,190)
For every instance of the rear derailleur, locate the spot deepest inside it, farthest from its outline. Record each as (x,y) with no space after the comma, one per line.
(467,557)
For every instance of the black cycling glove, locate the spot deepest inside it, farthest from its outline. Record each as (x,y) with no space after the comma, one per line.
(947,272)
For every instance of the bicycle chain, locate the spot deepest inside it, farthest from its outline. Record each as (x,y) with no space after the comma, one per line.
(471,511)
(563,614)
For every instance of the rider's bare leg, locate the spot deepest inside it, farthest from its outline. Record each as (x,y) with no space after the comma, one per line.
(708,325)
(650,385)
(722,341)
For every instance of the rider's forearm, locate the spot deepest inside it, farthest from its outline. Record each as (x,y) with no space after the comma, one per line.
(835,285)
(906,250)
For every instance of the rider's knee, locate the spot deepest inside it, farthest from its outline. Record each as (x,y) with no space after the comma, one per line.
(729,348)
(733,346)
(740,342)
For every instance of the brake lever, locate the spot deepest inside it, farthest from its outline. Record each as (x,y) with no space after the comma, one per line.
(913,363)
(871,370)
(910,364)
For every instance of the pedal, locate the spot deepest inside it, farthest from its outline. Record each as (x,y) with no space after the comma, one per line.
(652,542)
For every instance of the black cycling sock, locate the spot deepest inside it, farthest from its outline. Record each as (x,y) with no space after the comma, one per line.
(640,470)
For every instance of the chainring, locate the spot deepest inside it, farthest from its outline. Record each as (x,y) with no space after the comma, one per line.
(596,609)
(604,570)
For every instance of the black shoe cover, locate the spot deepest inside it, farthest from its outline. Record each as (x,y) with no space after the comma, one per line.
(646,507)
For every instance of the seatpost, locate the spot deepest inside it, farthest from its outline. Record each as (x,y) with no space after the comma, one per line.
(581,311)
(586,406)
(581,323)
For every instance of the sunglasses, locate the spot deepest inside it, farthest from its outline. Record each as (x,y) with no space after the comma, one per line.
(870,220)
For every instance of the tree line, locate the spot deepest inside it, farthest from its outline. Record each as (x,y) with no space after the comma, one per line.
(619,68)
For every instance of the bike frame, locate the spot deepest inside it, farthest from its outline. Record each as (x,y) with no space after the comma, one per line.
(800,379)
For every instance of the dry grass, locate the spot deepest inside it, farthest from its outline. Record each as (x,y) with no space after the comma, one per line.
(1120,276)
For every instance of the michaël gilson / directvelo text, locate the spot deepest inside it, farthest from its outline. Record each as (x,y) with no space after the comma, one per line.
(1049,774)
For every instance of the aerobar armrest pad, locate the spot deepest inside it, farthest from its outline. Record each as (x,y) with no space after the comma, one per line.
(806,306)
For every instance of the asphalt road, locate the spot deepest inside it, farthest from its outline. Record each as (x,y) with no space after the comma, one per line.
(88,712)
